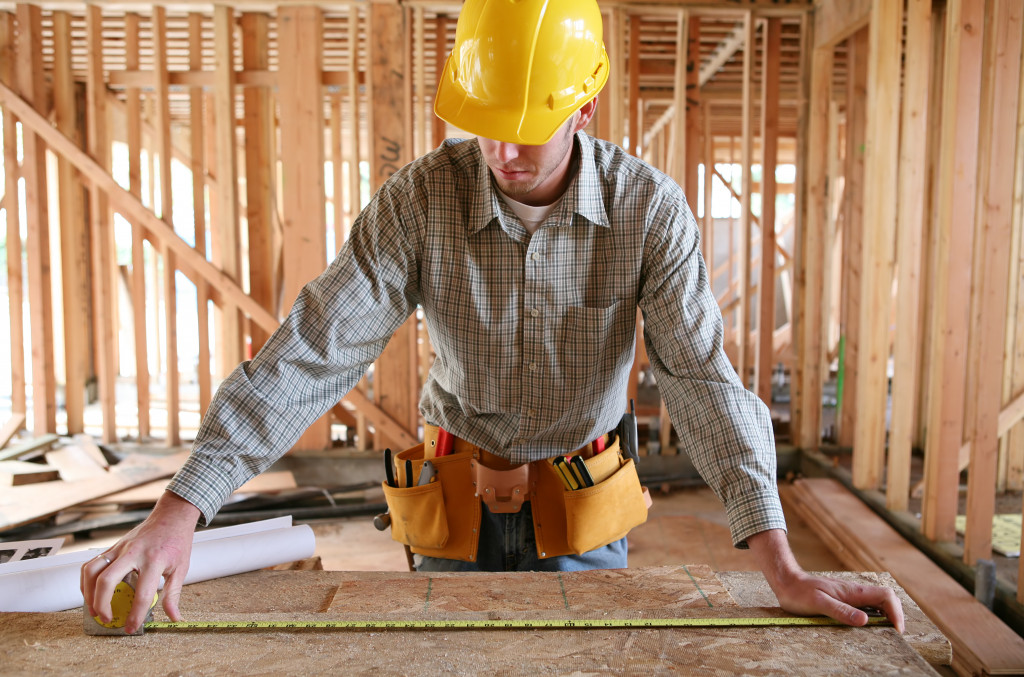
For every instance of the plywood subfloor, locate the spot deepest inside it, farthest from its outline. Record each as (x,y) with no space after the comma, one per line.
(41,644)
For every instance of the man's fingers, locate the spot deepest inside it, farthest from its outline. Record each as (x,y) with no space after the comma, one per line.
(876,597)
(145,590)
(172,593)
(842,612)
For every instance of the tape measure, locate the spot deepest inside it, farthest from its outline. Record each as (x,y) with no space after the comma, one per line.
(510,624)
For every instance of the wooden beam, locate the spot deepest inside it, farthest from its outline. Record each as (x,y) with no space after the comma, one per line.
(722,53)
(197,140)
(765,353)
(633,105)
(999,92)
(835,20)
(396,382)
(677,159)
(12,207)
(853,229)
(708,223)
(806,419)
(913,191)
(30,77)
(439,129)
(300,31)
(258,180)
(880,163)
(956,191)
(225,222)
(1014,371)
(744,361)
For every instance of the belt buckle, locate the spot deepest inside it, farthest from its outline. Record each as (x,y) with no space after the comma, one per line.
(503,491)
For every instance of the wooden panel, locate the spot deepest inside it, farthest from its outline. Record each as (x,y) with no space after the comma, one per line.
(302,162)
(956,190)
(12,207)
(396,382)
(913,190)
(810,254)
(1001,74)
(101,227)
(880,163)
(763,358)
(258,205)
(853,220)
(29,67)
(74,242)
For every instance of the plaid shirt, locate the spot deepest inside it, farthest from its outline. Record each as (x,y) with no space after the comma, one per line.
(534,336)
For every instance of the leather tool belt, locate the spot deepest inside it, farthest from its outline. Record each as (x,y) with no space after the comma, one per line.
(441,518)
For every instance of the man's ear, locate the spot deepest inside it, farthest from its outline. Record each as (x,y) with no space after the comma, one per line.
(586,113)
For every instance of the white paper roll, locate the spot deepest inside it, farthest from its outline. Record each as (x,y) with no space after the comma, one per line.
(53,585)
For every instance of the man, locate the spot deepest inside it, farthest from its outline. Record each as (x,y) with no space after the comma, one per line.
(529,250)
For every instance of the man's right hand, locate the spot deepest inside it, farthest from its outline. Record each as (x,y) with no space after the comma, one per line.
(160,546)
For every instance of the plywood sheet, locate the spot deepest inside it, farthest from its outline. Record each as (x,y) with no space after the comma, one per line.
(54,643)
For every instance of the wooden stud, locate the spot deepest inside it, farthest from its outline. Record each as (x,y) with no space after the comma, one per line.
(15,285)
(354,173)
(765,353)
(225,225)
(956,191)
(337,174)
(1014,369)
(880,163)
(302,161)
(634,84)
(836,20)
(694,128)
(913,191)
(258,205)
(1001,79)
(74,242)
(30,74)
(806,415)
(677,159)
(418,54)
(439,129)
(101,225)
(744,362)
(133,115)
(853,228)
(396,389)
(197,140)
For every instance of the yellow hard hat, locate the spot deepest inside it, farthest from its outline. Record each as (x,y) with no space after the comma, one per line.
(521,68)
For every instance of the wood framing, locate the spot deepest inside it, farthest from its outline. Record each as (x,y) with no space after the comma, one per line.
(835,20)
(197,163)
(880,163)
(744,360)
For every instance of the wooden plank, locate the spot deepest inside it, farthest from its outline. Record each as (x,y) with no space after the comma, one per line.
(806,418)
(982,644)
(1013,385)
(24,449)
(74,242)
(22,505)
(708,224)
(956,190)
(101,226)
(880,164)
(302,161)
(74,463)
(225,222)
(258,182)
(913,191)
(744,361)
(1001,78)
(440,128)
(853,229)
(337,174)
(396,384)
(163,152)
(133,120)
(19,473)
(764,352)
(197,134)
(15,283)
(677,157)
(30,77)
(11,428)
(86,443)
(150,492)
(633,100)
(836,20)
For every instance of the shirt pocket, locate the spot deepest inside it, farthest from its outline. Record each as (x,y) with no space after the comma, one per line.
(591,344)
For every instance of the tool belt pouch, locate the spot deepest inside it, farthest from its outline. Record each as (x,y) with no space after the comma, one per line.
(575,522)
(439,519)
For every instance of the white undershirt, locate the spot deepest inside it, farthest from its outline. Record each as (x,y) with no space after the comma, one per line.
(531,216)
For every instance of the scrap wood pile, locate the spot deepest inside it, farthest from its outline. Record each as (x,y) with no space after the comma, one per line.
(54,486)
(863,541)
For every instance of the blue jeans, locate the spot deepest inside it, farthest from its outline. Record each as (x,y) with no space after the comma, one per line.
(507,543)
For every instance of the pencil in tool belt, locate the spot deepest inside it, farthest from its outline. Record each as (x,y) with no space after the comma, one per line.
(582,472)
(565,473)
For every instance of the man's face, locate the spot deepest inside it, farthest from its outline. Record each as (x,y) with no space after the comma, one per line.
(533,175)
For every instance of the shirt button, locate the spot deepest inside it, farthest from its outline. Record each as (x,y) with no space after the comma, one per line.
(533,366)
(531,412)
(536,256)
(534,312)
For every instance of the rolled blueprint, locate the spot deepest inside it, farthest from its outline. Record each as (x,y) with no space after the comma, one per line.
(52,583)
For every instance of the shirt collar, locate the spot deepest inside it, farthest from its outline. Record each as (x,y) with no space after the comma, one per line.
(582,197)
